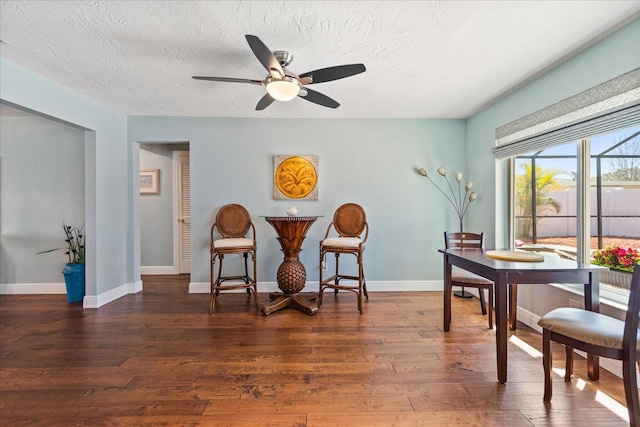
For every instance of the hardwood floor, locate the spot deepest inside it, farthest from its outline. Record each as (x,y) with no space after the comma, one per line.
(158,359)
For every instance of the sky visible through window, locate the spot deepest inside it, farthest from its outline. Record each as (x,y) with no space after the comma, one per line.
(599,144)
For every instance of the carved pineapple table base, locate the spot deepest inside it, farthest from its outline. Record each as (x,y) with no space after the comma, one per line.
(292,275)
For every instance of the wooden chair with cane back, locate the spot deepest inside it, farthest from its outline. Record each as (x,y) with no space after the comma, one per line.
(350,224)
(233,233)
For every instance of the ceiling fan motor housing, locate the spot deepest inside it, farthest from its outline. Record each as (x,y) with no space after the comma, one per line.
(284,58)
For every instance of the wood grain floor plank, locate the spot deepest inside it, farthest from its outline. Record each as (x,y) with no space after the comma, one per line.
(157,358)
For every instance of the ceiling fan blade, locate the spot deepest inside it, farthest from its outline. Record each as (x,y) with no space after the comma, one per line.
(332,73)
(318,98)
(264,55)
(264,102)
(228,79)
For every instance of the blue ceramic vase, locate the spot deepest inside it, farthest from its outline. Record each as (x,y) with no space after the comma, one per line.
(74,279)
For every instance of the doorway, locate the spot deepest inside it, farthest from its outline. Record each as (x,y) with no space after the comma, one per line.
(165,221)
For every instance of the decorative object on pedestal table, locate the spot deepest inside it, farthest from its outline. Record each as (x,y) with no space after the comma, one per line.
(459,202)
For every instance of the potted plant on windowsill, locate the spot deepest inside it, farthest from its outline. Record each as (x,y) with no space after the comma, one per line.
(73,271)
(620,262)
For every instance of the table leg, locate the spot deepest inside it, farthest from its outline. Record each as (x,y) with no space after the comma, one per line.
(447,295)
(501,327)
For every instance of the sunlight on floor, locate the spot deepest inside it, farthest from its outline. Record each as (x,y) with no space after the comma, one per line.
(614,406)
(606,401)
(525,347)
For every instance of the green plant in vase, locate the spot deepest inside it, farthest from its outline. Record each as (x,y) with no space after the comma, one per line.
(74,270)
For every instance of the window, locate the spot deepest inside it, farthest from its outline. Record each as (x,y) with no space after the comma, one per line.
(547,194)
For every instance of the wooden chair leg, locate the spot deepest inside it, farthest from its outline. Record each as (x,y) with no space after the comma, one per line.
(629,372)
(337,276)
(255,280)
(568,364)
(212,298)
(320,289)
(483,305)
(246,267)
(212,302)
(360,281)
(215,291)
(490,307)
(364,287)
(546,363)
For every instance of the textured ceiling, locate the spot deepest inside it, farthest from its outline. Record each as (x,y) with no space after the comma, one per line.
(424,59)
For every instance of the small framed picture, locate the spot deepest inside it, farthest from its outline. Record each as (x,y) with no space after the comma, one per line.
(149,181)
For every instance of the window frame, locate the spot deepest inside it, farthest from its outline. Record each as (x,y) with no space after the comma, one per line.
(609,294)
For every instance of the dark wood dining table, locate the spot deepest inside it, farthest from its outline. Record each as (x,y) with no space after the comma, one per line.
(504,273)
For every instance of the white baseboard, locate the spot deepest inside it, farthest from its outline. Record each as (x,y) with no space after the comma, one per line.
(158,269)
(89,301)
(32,288)
(112,295)
(425,285)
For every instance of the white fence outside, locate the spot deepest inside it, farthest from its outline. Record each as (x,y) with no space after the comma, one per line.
(614,202)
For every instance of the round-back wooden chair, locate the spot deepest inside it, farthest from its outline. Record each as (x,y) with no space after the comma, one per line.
(229,236)
(349,223)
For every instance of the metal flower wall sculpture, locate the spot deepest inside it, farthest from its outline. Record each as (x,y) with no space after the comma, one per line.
(459,201)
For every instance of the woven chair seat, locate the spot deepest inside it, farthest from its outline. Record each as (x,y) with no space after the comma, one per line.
(238,242)
(342,242)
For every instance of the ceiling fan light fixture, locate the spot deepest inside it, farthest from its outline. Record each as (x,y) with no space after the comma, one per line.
(284,89)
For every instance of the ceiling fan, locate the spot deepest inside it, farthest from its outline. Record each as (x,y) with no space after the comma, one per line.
(282,84)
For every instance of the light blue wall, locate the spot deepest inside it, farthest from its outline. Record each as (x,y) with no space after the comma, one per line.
(370,162)
(41,185)
(108,177)
(609,58)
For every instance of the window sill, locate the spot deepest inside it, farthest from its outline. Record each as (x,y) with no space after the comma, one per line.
(609,296)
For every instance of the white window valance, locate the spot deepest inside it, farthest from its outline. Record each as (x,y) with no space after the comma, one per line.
(614,104)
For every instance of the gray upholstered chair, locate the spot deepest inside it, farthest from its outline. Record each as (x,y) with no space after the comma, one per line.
(464,278)
(599,335)
(350,223)
(229,236)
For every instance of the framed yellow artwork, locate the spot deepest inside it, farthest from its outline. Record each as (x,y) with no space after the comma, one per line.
(295,177)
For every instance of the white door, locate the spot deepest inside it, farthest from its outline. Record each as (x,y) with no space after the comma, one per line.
(182,203)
